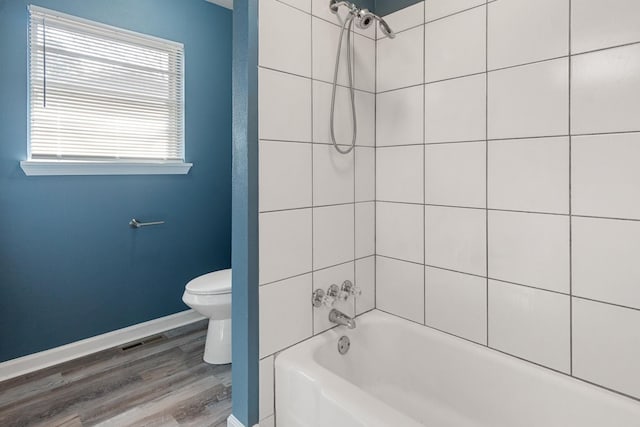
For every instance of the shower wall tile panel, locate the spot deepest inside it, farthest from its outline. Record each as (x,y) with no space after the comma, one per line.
(396,171)
(310,196)
(605,260)
(285,176)
(456,46)
(522,31)
(400,61)
(455,174)
(456,303)
(605,175)
(531,100)
(530,323)
(399,118)
(529,175)
(602,24)
(530,249)
(399,231)
(604,86)
(456,110)
(277,49)
(456,239)
(365,110)
(435,9)
(404,19)
(529,118)
(606,346)
(400,288)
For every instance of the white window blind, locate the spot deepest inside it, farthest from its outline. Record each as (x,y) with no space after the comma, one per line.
(99,93)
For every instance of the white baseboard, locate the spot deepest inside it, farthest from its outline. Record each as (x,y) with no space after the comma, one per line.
(33,362)
(233,422)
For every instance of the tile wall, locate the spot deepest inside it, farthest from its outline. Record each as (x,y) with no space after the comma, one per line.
(508,179)
(317,207)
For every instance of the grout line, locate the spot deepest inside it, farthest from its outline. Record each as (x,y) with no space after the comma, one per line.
(312,78)
(424,173)
(570,209)
(486,164)
(313,213)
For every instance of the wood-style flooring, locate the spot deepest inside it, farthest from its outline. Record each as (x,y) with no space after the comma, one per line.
(159,381)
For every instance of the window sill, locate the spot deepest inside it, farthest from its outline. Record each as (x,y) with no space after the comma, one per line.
(71,167)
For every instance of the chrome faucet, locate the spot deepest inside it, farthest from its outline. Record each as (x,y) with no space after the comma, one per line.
(338,317)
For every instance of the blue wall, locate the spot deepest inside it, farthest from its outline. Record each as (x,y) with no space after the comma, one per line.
(70,267)
(385,7)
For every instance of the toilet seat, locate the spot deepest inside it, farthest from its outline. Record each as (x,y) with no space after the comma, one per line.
(215,283)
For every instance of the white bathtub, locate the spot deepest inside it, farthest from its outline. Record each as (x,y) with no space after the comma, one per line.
(400,374)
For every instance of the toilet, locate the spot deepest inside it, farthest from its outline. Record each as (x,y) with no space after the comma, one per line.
(210,295)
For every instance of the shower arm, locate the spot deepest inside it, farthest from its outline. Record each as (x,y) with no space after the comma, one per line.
(334,6)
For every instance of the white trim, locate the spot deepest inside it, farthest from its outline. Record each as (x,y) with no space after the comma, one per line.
(224,3)
(71,167)
(232,421)
(44,359)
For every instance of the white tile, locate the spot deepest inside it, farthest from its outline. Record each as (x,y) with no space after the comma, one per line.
(366,281)
(522,31)
(604,86)
(364,59)
(365,229)
(285,244)
(400,288)
(456,239)
(405,18)
(456,303)
(532,100)
(322,279)
(399,174)
(400,60)
(601,24)
(304,5)
(268,422)
(438,8)
(320,8)
(530,323)
(456,110)
(530,249)
(343,122)
(333,175)
(266,387)
(606,346)
(285,38)
(284,106)
(605,260)
(333,235)
(605,175)
(365,174)
(456,46)
(285,314)
(399,117)
(529,175)
(455,174)
(285,175)
(399,231)
(325,37)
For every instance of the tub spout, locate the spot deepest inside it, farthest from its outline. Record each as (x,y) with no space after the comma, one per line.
(338,317)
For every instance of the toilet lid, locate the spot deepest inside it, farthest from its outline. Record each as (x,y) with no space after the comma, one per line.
(217,282)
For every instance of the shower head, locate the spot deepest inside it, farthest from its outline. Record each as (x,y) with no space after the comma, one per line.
(385,28)
(364,19)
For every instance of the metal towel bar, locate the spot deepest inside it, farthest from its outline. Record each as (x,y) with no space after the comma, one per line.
(134,223)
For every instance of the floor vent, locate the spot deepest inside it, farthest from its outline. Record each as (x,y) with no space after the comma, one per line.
(144,341)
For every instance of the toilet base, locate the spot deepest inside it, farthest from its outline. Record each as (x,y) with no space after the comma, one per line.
(217,348)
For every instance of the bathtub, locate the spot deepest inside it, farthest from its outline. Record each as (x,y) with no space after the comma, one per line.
(401,374)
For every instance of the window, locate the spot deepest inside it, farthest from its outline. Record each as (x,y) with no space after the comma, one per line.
(102,100)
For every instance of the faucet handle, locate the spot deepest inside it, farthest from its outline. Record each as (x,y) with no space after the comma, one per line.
(350,289)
